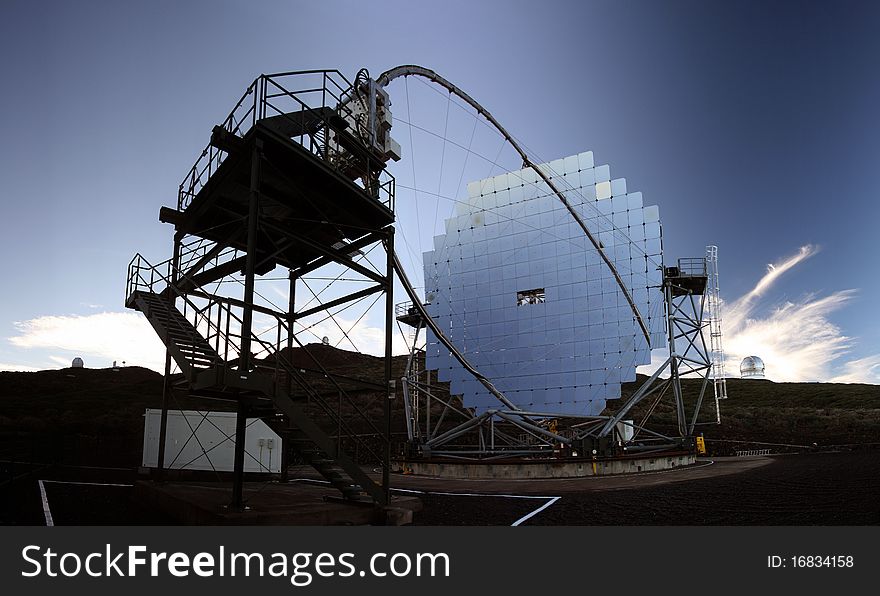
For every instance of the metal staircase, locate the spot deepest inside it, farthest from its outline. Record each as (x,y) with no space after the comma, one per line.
(150,292)
(323,454)
(187,346)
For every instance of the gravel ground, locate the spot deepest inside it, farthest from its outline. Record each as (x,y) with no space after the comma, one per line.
(807,489)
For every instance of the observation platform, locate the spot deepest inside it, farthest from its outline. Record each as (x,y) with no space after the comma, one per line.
(689,277)
(408,314)
(306,205)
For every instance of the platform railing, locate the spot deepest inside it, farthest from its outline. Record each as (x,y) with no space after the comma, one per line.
(150,279)
(142,276)
(321,97)
(692,267)
(402,309)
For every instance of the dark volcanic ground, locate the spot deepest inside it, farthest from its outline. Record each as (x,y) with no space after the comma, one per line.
(77,426)
(810,489)
(839,488)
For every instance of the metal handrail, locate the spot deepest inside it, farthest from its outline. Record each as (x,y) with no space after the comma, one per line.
(138,281)
(334,92)
(139,264)
(692,266)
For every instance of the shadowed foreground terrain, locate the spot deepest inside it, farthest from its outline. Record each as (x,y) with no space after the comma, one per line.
(73,425)
(826,489)
(835,488)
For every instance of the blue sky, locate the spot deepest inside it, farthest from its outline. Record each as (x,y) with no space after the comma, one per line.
(752,124)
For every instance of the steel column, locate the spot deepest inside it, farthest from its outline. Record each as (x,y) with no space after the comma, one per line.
(163,423)
(245,360)
(673,360)
(291,315)
(166,386)
(389,322)
(238,479)
(250,262)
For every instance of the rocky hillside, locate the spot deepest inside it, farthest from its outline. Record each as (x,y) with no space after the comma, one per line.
(100,411)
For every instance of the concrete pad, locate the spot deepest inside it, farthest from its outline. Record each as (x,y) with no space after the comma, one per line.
(704,468)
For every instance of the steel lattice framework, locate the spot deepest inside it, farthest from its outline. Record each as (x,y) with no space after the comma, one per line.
(528,431)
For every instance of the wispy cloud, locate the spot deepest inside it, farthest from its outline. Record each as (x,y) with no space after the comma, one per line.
(741,309)
(863,370)
(99,338)
(796,339)
(8,366)
(61,361)
(104,337)
(774,270)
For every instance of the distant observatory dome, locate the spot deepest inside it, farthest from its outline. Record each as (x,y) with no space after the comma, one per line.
(77,362)
(751,367)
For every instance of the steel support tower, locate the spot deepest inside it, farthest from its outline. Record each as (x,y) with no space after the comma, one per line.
(511,432)
(291,181)
(685,291)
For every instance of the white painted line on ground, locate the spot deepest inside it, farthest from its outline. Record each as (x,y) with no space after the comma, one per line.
(87,483)
(550,500)
(46,512)
(535,512)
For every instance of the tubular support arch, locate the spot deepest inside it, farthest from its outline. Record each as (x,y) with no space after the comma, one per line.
(412,70)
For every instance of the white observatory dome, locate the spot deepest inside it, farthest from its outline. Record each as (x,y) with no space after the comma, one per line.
(77,362)
(751,367)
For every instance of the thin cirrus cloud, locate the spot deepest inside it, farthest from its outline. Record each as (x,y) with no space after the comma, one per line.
(122,336)
(861,370)
(11,366)
(101,338)
(796,339)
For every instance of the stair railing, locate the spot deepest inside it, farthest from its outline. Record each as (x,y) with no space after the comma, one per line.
(148,278)
(220,321)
